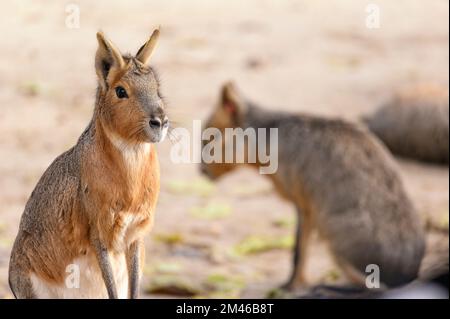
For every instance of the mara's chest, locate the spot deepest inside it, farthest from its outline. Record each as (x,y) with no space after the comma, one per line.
(129,212)
(122,191)
(138,178)
(129,227)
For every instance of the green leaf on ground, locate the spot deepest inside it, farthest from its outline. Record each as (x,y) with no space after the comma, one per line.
(169,238)
(284,222)
(443,221)
(211,211)
(30,88)
(224,283)
(168,267)
(331,276)
(198,187)
(221,286)
(2,227)
(259,244)
(6,242)
(278,293)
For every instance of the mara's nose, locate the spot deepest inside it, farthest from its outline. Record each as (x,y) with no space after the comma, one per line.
(155,122)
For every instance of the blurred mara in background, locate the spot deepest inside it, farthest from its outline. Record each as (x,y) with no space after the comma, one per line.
(414,123)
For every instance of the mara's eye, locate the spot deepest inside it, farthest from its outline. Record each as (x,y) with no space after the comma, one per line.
(121,93)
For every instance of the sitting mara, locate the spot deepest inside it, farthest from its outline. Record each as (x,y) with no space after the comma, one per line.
(342,181)
(91,208)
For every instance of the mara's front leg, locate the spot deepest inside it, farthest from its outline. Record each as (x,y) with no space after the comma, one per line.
(302,236)
(134,256)
(102,255)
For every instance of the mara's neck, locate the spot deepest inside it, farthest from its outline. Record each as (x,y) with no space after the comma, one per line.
(129,157)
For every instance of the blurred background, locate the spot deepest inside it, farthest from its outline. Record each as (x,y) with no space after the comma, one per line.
(232,238)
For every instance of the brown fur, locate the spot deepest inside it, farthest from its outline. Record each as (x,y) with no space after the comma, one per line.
(81,204)
(342,181)
(414,123)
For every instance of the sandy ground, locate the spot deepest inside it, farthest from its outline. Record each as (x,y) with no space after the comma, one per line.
(312,56)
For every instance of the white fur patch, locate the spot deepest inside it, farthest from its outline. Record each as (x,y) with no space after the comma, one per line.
(133,154)
(163,133)
(130,151)
(129,221)
(91,284)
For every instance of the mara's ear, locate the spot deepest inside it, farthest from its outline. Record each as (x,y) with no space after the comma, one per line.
(145,52)
(106,58)
(230,100)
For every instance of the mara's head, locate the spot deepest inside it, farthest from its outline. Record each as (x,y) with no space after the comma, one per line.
(228,113)
(130,107)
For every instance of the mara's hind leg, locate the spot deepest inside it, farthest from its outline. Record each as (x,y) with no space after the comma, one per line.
(355,276)
(20,283)
(303,233)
